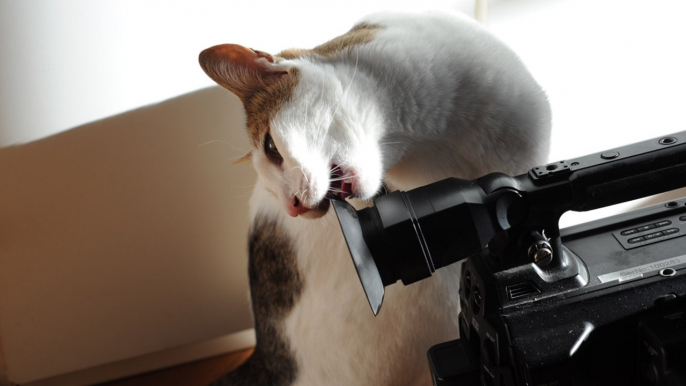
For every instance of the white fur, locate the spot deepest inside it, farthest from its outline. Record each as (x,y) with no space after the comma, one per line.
(336,338)
(432,96)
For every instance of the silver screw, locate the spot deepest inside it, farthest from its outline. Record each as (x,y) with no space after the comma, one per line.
(541,252)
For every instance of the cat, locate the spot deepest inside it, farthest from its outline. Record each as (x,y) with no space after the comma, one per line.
(399,101)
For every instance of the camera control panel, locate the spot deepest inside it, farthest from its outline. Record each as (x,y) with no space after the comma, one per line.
(652,232)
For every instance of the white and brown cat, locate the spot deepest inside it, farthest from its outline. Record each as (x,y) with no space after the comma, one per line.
(401,100)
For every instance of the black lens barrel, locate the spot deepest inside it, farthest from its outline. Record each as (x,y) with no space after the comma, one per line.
(411,234)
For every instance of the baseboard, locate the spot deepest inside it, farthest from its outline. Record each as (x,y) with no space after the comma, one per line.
(172,357)
(4,381)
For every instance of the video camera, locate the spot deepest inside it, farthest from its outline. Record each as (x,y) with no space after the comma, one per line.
(601,303)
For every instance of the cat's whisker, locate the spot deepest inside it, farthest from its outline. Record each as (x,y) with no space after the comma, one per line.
(339,179)
(339,167)
(328,220)
(334,174)
(303,172)
(224,142)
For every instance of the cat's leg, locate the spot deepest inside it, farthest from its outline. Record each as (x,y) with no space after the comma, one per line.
(275,286)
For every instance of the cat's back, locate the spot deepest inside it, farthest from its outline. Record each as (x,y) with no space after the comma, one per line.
(449,45)
(436,76)
(415,27)
(421,37)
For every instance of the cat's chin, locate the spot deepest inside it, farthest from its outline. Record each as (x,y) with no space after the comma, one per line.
(319,211)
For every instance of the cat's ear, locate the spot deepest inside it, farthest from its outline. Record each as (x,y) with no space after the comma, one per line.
(241,70)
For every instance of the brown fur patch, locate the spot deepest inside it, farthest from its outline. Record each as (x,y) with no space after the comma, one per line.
(275,286)
(359,34)
(245,158)
(275,281)
(262,104)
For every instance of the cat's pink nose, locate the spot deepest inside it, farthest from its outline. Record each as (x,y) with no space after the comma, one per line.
(295,207)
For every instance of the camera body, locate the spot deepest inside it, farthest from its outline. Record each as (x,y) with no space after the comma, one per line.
(626,326)
(597,304)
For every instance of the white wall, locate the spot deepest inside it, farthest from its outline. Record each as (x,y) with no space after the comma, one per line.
(613,68)
(68,62)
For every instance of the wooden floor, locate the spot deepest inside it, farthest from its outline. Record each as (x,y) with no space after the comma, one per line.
(199,373)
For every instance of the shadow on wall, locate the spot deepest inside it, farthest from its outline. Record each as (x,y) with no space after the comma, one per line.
(124,237)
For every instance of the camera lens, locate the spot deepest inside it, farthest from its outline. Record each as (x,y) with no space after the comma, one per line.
(408,235)
(411,234)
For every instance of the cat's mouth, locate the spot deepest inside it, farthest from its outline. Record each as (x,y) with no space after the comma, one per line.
(342,182)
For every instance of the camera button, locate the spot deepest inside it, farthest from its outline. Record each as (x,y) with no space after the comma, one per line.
(670,231)
(653,235)
(629,232)
(663,223)
(646,227)
(609,155)
(636,240)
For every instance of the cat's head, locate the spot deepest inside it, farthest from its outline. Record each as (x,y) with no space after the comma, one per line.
(314,131)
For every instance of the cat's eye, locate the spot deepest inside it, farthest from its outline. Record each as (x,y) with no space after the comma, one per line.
(271,151)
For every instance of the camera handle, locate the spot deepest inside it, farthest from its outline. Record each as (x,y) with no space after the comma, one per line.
(529,206)
(524,237)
